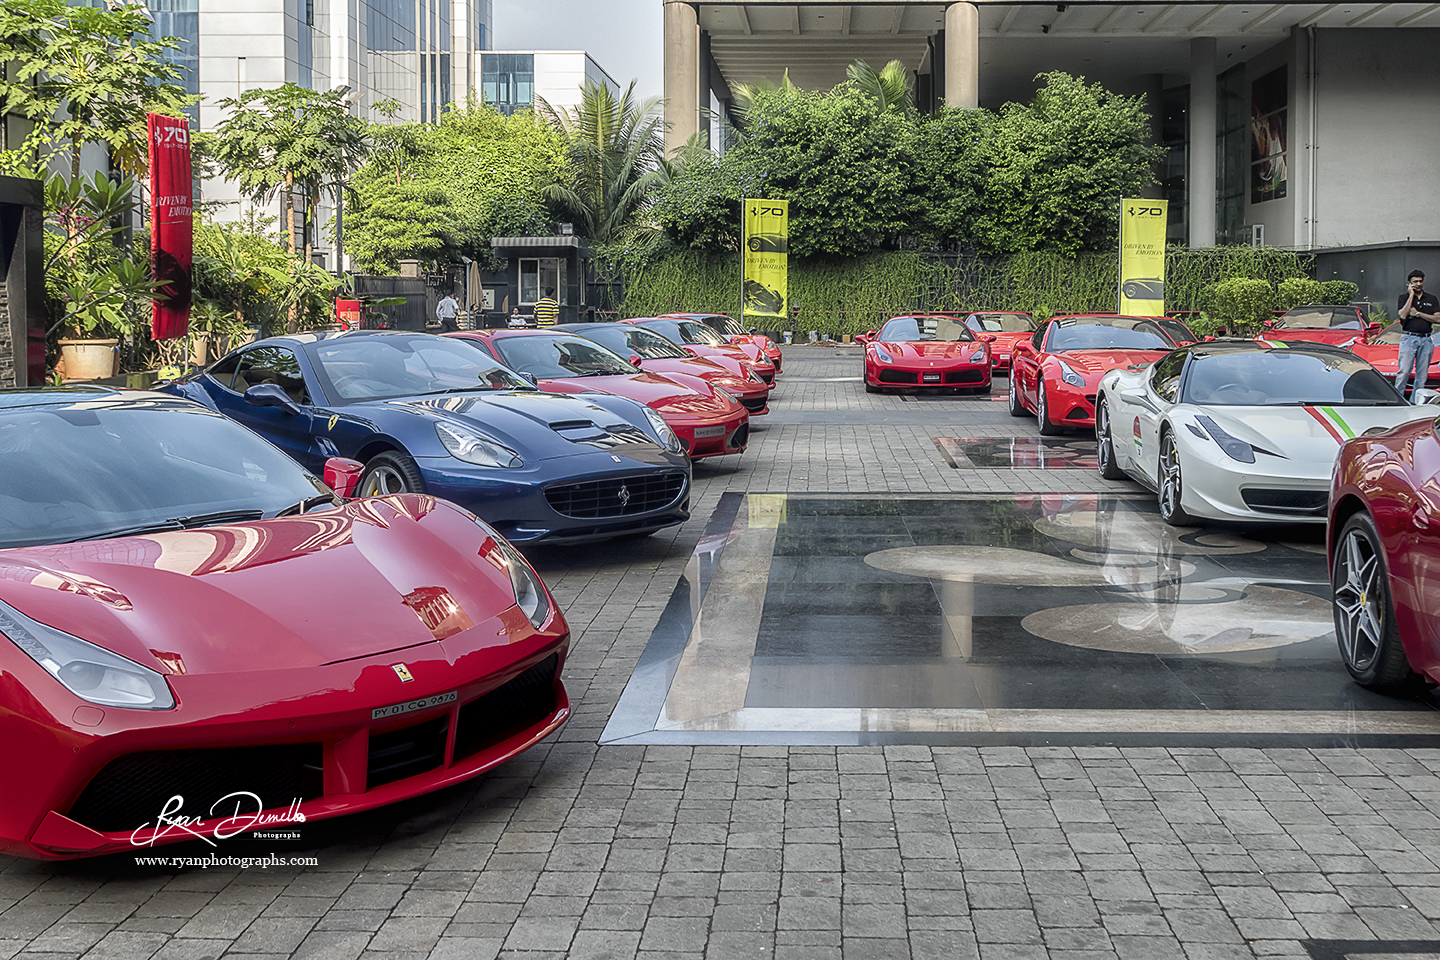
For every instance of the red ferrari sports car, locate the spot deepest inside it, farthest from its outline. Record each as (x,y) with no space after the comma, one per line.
(1383,353)
(695,338)
(732,330)
(927,351)
(706,417)
(652,353)
(1341,325)
(1384,549)
(1055,373)
(1007,327)
(198,638)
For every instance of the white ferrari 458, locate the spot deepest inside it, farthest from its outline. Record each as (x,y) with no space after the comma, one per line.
(1243,430)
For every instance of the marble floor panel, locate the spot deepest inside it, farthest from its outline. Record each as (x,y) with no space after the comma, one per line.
(1018,453)
(1028,619)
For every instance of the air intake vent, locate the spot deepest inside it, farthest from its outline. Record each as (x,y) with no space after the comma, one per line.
(507,709)
(619,497)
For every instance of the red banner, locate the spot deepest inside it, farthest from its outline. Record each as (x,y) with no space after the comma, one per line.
(171,224)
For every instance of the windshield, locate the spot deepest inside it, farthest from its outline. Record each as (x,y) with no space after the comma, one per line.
(1107,333)
(650,345)
(1319,318)
(903,329)
(547,358)
(1390,334)
(1274,377)
(728,326)
(379,367)
(1176,330)
(1000,323)
(698,333)
(76,473)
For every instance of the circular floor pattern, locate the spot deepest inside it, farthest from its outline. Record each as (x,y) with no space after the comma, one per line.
(1006,565)
(1092,529)
(1263,618)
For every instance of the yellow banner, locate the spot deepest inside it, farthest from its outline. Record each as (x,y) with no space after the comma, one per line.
(764,235)
(1142,257)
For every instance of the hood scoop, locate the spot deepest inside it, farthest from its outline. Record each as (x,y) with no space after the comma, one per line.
(579,431)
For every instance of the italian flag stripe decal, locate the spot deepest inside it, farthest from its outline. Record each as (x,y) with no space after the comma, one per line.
(1333,423)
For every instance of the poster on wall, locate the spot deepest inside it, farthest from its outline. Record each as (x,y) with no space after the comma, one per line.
(764,281)
(1269,172)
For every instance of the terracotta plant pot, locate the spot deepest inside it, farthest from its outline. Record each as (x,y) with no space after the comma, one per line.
(88,359)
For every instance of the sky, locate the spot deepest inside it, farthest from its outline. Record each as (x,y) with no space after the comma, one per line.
(623,36)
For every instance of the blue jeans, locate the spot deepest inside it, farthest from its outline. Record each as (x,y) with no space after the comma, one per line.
(1414,354)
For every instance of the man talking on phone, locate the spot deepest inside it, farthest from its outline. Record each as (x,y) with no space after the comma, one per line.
(1418,311)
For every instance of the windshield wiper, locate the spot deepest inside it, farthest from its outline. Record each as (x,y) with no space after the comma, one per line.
(219,516)
(173,523)
(309,502)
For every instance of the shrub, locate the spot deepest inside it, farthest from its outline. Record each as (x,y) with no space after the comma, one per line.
(1338,291)
(1295,291)
(1241,304)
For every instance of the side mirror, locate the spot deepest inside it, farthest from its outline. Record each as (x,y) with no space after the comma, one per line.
(986,338)
(739,339)
(1268,324)
(1424,395)
(861,338)
(1207,338)
(343,475)
(1373,325)
(635,359)
(690,350)
(531,379)
(271,395)
(871,334)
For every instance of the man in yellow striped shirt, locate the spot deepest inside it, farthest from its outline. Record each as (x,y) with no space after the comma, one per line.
(547,310)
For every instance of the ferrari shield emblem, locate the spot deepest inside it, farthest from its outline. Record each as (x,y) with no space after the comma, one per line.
(615,458)
(403,672)
(333,420)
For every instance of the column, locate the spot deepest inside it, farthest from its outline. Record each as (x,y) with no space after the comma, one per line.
(962,55)
(682,74)
(1200,179)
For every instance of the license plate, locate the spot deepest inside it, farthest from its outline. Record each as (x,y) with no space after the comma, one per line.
(702,432)
(410,706)
(931,377)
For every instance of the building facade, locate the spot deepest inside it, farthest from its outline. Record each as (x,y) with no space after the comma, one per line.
(512,80)
(1301,125)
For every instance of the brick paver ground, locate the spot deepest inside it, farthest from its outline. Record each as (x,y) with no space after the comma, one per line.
(801,852)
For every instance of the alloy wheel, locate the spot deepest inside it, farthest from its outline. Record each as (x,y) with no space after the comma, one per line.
(1359,599)
(1171,486)
(383,480)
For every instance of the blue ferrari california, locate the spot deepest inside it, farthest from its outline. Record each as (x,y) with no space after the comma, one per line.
(426,414)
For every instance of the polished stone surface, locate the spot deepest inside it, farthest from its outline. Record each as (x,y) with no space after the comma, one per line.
(1017,453)
(1079,618)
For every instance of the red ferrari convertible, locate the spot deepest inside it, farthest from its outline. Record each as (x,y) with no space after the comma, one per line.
(1007,327)
(1384,549)
(1322,323)
(198,638)
(699,340)
(732,330)
(707,418)
(652,353)
(927,351)
(1054,374)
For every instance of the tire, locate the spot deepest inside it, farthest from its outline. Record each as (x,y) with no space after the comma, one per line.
(1365,626)
(1042,412)
(1105,443)
(390,473)
(1171,485)
(1017,409)
(985,390)
(870,389)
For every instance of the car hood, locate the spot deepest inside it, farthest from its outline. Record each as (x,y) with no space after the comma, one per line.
(658,392)
(930,349)
(300,591)
(527,422)
(1310,434)
(1090,364)
(1007,341)
(1339,336)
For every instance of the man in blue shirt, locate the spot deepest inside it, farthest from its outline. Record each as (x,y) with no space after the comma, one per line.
(1418,312)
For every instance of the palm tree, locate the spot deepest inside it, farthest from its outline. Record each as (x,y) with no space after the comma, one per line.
(615,146)
(744,95)
(890,85)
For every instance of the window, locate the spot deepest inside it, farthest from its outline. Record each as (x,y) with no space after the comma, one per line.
(1175,134)
(507,81)
(540,274)
(1165,380)
(1230,166)
(224,371)
(271,365)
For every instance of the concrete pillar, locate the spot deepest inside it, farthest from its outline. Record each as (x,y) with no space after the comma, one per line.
(682,74)
(962,55)
(1200,181)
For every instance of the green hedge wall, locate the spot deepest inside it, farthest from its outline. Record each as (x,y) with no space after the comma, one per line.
(854,294)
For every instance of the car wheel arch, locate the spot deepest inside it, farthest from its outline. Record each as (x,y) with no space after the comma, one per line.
(373,448)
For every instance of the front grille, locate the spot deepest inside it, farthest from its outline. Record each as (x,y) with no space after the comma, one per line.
(619,497)
(741,436)
(1078,413)
(1303,502)
(767,377)
(507,709)
(753,404)
(132,790)
(896,376)
(964,376)
(406,752)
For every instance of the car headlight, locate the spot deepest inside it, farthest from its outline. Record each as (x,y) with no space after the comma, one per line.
(724,393)
(663,433)
(1069,375)
(90,672)
(753,375)
(977,356)
(884,357)
(472,447)
(529,594)
(1235,448)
